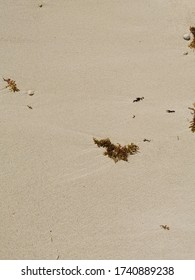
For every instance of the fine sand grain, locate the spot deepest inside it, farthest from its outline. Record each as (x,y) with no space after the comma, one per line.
(96,69)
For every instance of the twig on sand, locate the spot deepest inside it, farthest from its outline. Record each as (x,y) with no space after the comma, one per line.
(146,140)
(165,227)
(138,99)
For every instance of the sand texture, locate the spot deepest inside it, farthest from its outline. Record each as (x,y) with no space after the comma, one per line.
(79,66)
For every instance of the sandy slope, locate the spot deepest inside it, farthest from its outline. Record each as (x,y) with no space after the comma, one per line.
(87,61)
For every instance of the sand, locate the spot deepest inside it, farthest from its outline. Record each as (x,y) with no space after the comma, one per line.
(86,61)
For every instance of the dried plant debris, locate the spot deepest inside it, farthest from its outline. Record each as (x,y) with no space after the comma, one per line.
(146,140)
(192,44)
(138,99)
(116,152)
(192,123)
(170,111)
(166,227)
(11,84)
(29,107)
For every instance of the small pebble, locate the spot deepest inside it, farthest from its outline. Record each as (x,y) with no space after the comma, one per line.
(185,53)
(186,36)
(30,92)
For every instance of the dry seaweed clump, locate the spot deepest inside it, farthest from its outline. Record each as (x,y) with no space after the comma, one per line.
(192,44)
(192,123)
(116,152)
(11,84)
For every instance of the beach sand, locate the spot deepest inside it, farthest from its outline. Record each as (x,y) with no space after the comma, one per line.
(86,61)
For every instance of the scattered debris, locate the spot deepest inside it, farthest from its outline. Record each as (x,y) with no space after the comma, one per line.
(29,107)
(58,257)
(11,84)
(192,122)
(170,111)
(192,44)
(146,140)
(133,116)
(116,152)
(165,227)
(41,5)
(185,53)
(138,99)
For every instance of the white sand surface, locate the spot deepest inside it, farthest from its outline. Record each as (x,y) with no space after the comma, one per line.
(87,61)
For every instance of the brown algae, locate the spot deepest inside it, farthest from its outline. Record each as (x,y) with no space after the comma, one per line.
(116,152)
